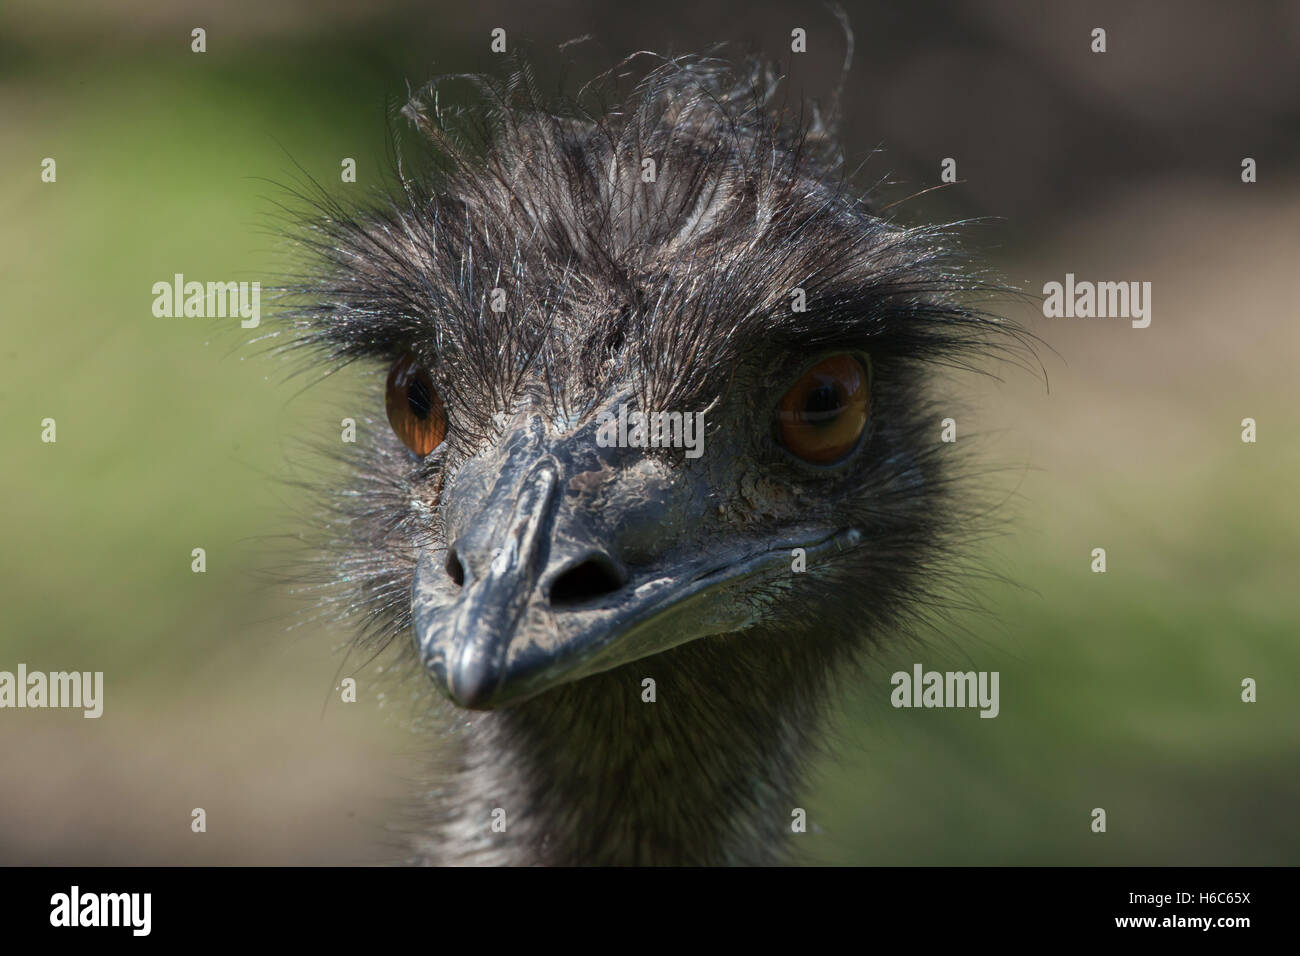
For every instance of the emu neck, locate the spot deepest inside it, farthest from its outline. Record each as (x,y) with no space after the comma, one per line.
(594,773)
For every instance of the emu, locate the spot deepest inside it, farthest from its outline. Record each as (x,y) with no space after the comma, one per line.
(635,648)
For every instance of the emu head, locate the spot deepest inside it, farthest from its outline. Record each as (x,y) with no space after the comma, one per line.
(688,254)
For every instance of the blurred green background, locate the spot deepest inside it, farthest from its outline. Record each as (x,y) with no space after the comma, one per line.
(1119,691)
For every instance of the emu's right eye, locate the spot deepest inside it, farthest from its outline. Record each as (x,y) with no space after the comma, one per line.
(414,409)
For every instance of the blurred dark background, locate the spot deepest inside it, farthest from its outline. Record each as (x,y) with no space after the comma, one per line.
(1118,690)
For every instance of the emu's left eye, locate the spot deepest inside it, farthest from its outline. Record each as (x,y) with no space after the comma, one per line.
(414,409)
(821,418)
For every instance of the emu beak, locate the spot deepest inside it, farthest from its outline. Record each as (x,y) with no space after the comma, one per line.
(466,646)
(533,592)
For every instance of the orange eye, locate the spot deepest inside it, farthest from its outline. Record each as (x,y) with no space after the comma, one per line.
(414,409)
(821,418)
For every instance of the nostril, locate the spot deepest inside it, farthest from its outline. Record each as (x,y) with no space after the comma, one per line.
(591,579)
(455,570)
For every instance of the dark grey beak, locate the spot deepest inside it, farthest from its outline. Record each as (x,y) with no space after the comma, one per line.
(467,650)
(535,587)
(529,589)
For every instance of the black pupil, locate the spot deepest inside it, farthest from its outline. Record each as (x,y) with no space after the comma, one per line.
(420,397)
(823,404)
